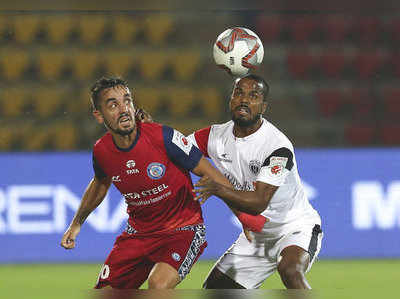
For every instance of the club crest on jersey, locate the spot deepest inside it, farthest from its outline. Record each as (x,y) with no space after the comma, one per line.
(130,164)
(155,170)
(255,166)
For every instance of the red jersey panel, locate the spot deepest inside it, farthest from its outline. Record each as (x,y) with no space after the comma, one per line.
(153,176)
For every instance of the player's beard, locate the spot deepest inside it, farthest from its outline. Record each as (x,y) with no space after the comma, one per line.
(244,123)
(118,130)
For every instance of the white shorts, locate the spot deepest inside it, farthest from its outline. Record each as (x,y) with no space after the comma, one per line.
(249,264)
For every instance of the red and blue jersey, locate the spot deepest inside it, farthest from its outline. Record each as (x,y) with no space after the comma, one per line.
(153,176)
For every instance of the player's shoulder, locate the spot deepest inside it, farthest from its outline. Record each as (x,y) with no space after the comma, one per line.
(275,137)
(103,141)
(103,145)
(221,129)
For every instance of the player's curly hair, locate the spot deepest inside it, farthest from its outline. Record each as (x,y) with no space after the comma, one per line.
(100,85)
(259,80)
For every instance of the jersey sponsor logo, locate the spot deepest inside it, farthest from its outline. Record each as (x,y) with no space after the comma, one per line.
(116,178)
(277,166)
(176,256)
(155,170)
(246,186)
(144,193)
(182,142)
(255,166)
(225,158)
(131,164)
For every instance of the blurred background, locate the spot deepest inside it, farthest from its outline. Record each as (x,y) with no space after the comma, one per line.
(334,78)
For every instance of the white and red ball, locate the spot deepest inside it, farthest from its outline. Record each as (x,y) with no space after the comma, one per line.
(238,50)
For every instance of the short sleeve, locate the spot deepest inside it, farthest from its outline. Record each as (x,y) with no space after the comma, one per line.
(180,149)
(276,167)
(98,171)
(200,139)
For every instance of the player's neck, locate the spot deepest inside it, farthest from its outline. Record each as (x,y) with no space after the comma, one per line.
(124,141)
(241,132)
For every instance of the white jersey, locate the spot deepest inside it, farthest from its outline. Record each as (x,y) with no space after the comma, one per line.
(267,156)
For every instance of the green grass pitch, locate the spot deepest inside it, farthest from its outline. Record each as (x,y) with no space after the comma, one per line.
(356,278)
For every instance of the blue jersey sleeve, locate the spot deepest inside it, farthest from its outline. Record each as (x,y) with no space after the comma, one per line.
(180,150)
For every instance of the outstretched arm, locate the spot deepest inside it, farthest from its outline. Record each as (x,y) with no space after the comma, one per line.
(251,202)
(93,196)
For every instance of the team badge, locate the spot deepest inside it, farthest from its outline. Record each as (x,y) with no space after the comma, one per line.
(277,165)
(155,170)
(182,142)
(255,166)
(176,256)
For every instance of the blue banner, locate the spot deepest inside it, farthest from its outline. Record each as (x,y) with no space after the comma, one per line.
(356,192)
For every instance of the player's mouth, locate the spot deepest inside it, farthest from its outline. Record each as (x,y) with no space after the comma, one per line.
(243,110)
(124,120)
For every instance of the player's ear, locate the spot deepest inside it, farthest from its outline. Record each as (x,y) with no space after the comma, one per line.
(264,106)
(98,116)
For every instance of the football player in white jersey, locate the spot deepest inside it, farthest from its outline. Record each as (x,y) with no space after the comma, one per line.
(259,161)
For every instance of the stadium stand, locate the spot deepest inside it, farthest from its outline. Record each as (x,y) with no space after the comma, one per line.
(336,73)
(329,101)
(14,62)
(336,28)
(125,29)
(179,100)
(46,102)
(118,62)
(59,27)
(84,62)
(13,100)
(153,64)
(360,134)
(91,28)
(299,63)
(185,64)
(25,27)
(269,27)
(157,28)
(303,28)
(51,63)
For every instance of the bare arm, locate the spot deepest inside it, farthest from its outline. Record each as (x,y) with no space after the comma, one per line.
(251,202)
(205,169)
(93,196)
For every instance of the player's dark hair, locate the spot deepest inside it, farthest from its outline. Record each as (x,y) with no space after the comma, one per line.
(259,80)
(100,85)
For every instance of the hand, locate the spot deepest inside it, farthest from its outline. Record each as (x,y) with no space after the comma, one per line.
(247,234)
(143,116)
(206,187)
(68,239)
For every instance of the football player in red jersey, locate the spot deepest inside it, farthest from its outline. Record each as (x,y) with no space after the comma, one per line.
(149,164)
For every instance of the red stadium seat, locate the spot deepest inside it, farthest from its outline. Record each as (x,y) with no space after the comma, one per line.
(361,103)
(360,134)
(394,62)
(367,29)
(369,62)
(329,101)
(391,103)
(269,27)
(332,63)
(394,29)
(300,63)
(389,134)
(303,27)
(337,27)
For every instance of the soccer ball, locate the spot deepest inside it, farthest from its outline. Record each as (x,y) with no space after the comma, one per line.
(238,50)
